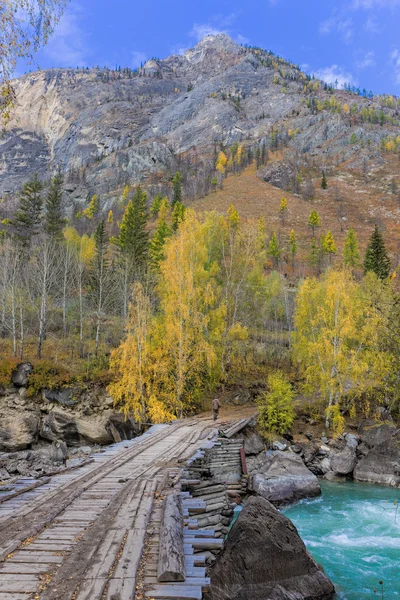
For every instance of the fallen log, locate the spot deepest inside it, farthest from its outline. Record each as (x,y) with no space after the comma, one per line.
(171,559)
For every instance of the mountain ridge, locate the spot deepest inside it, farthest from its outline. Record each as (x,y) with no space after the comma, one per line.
(105,129)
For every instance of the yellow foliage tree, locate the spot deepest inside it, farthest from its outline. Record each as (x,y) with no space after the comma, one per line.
(336,339)
(221,163)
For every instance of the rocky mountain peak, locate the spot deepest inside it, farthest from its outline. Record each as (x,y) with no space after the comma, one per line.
(220,42)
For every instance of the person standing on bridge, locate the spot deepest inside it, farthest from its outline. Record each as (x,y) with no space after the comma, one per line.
(216,405)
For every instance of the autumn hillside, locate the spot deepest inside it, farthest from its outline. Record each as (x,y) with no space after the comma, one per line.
(351,200)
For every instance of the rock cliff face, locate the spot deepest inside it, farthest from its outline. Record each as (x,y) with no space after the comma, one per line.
(104,128)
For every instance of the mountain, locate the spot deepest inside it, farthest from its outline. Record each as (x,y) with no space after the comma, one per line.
(105,128)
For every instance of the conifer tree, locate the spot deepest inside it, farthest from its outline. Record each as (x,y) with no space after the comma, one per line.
(314,221)
(28,216)
(314,255)
(177,182)
(133,238)
(178,215)
(155,207)
(54,220)
(351,255)
(376,258)
(274,249)
(157,244)
(324,183)
(328,245)
(283,207)
(293,246)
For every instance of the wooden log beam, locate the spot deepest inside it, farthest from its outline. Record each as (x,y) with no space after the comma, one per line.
(171,559)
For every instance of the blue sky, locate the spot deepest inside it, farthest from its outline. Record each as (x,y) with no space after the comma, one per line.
(355,41)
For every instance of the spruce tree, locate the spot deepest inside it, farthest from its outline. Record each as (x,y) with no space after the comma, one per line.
(157,244)
(376,258)
(178,215)
(133,239)
(54,220)
(177,182)
(28,216)
(324,183)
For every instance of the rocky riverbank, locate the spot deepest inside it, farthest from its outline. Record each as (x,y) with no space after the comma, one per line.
(264,556)
(41,431)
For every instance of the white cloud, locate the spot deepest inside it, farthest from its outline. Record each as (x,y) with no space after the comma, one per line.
(138,58)
(67,46)
(218,24)
(371,25)
(367,61)
(241,39)
(335,74)
(344,26)
(395,61)
(200,30)
(372,4)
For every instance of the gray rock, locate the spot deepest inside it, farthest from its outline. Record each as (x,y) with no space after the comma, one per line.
(4,474)
(325,465)
(382,463)
(21,373)
(253,444)
(18,432)
(343,462)
(95,430)
(277,173)
(121,428)
(373,433)
(63,397)
(279,446)
(58,425)
(264,558)
(335,477)
(352,440)
(285,480)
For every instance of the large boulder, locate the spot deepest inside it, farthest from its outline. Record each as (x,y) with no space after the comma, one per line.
(285,479)
(58,425)
(382,463)
(264,558)
(121,428)
(95,430)
(21,373)
(253,444)
(343,462)
(374,433)
(278,174)
(18,433)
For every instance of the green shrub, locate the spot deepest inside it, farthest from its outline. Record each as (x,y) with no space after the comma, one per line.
(276,414)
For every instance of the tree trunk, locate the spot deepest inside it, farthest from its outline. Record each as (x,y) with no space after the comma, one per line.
(171,559)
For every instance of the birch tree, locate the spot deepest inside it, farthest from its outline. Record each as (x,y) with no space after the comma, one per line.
(336,339)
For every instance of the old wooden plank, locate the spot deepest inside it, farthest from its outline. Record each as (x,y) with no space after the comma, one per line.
(17,584)
(171,561)
(23,568)
(35,557)
(132,552)
(175,591)
(205,543)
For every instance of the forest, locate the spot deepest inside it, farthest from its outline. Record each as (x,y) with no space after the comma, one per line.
(166,305)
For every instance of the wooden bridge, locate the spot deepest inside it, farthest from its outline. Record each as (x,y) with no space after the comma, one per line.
(80,535)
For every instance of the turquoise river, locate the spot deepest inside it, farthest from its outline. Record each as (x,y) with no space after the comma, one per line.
(353,531)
